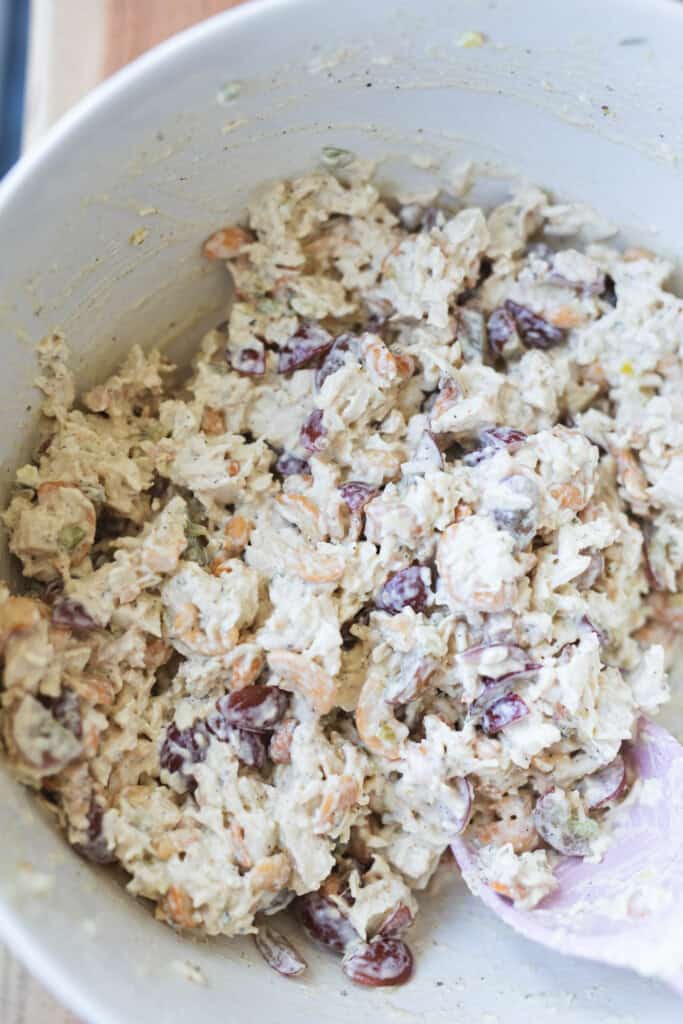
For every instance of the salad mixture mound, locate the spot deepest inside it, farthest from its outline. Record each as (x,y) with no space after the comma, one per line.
(386,569)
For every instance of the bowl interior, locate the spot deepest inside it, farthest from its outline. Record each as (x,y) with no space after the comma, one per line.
(580,98)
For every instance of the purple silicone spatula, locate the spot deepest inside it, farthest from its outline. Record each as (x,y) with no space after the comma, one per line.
(627,910)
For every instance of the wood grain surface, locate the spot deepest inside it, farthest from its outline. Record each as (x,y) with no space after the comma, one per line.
(134,26)
(61,70)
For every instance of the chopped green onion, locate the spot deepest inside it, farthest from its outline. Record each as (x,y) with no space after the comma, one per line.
(583,828)
(229,92)
(332,156)
(196,552)
(195,530)
(69,537)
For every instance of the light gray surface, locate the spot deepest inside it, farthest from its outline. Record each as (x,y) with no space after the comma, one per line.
(158,139)
(23,1000)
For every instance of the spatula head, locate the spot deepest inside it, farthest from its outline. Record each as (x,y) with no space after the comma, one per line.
(626,910)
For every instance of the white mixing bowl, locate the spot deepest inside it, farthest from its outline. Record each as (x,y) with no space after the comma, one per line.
(582,97)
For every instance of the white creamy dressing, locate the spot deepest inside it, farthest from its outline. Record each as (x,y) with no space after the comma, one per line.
(536,549)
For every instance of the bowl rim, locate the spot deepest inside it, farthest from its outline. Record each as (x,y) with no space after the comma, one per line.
(93,104)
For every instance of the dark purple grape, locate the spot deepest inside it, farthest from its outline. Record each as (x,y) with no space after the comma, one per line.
(53,590)
(605,785)
(603,639)
(71,614)
(310,343)
(396,922)
(218,727)
(431,217)
(313,432)
(255,708)
(590,576)
(380,962)
(325,923)
(502,332)
(183,747)
(411,587)
(249,361)
(497,688)
(356,495)
(476,653)
(507,709)
(533,329)
(493,439)
(66,709)
(455,809)
(524,672)
(559,827)
(520,522)
(279,953)
(414,217)
(336,357)
(251,747)
(291,465)
(95,848)
(502,437)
